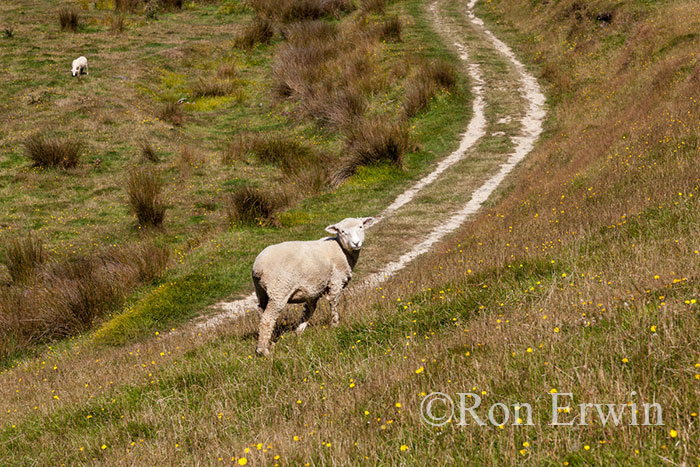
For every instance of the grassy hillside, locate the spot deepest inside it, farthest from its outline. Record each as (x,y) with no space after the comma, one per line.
(260,150)
(581,277)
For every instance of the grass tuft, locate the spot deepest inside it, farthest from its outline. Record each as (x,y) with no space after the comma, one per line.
(373,141)
(259,31)
(254,206)
(68,19)
(171,111)
(23,256)
(144,190)
(52,152)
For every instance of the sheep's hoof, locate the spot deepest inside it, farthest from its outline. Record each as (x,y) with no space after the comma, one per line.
(301,327)
(263,352)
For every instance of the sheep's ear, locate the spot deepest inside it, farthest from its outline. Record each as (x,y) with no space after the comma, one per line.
(332,229)
(368,221)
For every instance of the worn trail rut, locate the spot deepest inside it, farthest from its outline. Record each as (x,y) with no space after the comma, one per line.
(479,176)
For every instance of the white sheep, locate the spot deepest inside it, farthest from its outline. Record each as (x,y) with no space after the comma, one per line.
(302,272)
(79,66)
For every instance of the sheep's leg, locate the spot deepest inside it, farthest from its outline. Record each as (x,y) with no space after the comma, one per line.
(86,69)
(261,293)
(267,325)
(309,309)
(333,300)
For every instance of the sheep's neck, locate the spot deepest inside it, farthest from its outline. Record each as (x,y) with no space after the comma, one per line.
(351,256)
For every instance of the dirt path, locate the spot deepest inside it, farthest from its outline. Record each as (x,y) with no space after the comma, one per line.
(474,186)
(504,127)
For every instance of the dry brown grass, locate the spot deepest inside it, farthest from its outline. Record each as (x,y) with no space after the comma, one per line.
(127,6)
(65,297)
(213,87)
(259,31)
(148,151)
(47,152)
(117,24)
(301,10)
(144,190)
(373,141)
(23,256)
(171,111)
(254,206)
(68,19)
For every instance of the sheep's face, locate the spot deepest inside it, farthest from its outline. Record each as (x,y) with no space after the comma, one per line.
(74,71)
(351,232)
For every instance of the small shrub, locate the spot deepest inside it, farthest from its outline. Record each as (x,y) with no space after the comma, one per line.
(373,141)
(259,31)
(68,19)
(171,111)
(143,188)
(117,24)
(213,87)
(53,152)
(250,205)
(9,32)
(153,7)
(23,256)
(148,152)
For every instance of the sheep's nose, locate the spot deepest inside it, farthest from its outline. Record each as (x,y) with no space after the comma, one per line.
(357,245)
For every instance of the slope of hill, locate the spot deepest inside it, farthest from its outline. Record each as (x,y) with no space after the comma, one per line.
(581,277)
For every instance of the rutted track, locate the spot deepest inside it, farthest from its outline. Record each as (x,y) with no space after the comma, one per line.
(531,128)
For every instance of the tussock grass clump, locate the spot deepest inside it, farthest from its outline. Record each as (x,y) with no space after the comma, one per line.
(171,111)
(53,152)
(127,6)
(67,296)
(227,71)
(336,107)
(144,190)
(432,77)
(213,87)
(189,159)
(254,206)
(148,152)
(419,91)
(236,149)
(23,256)
(372,6)
(302,31)
(373,141)
(299,10)
(442,73)
(390,29)
(68,19)
(259,31)
(9,32)
(117,24)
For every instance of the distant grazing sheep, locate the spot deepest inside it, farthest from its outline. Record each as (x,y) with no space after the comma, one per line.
(79,67)
(302,272)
